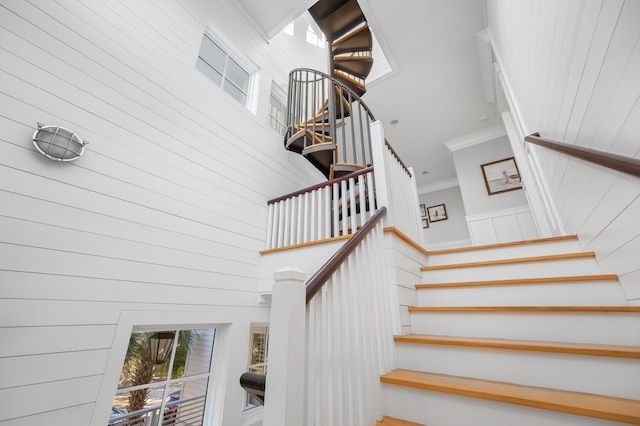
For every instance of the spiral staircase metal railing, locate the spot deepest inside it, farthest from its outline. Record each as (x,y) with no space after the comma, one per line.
(327,121)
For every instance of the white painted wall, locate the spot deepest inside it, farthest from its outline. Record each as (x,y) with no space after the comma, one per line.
(165,213)
(578,84)
(474,192)
(450,232)
(497,218)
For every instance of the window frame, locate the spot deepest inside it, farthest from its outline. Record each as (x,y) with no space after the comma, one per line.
(256,329)
(184,379)
(280,96)
(233,53)
(136,320)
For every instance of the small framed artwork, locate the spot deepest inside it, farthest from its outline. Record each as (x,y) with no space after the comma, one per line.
(437,213)
(423,210)
(501,176)
(425,222)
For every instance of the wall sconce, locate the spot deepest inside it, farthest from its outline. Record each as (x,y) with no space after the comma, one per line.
(58,143)
(159,346)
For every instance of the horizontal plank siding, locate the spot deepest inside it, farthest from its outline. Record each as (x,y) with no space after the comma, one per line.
(28,370)
(165,212)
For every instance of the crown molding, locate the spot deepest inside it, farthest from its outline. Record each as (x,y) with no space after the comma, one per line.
(437,186)
(476,138)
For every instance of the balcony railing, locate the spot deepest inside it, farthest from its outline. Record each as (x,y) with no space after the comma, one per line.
(183,412)
(331,209)
(328,123)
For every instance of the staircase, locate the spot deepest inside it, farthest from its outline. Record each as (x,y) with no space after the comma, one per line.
(526,334)
(346,29)
(327,121)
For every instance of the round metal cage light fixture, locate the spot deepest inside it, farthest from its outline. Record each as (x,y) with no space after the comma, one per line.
(159,346)
(58,143)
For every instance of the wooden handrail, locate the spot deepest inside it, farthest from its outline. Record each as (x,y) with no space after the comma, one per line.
(318,279)
(613,161)
(395,154)
(321,185)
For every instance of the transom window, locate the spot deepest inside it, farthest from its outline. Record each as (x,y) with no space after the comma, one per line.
(215,62)
(164,379)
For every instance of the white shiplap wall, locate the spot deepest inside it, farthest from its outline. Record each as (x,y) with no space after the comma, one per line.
(571,69)
(166,211)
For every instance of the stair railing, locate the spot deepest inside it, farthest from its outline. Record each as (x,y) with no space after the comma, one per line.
(328,123)
(396,187)
(330,209)
(347,337)
(349,333)
(613,161)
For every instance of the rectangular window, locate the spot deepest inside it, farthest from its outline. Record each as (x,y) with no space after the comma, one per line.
(164,379)
(217,64)
(277,109)
(277,115)
(257,359)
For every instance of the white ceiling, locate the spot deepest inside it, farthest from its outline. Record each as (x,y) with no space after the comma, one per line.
(435,88)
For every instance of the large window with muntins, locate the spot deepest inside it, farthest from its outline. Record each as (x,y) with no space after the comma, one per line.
(220,67)
(164,379)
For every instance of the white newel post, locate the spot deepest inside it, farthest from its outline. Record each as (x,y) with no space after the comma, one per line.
(379,170)
(285,390)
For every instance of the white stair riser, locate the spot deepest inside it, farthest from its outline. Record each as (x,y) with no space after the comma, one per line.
(442,409)
(576,327)
(552,268)
(585,294)
(557,247)
(579,373)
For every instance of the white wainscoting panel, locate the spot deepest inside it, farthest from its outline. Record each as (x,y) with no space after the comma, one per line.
(502,226)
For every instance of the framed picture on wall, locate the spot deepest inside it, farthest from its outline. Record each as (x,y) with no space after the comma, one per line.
(423,210)
(501,176)
(437,213)
(425,222)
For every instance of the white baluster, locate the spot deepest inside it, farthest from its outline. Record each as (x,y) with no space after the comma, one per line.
(287,221)
(293,222)
(300,223)
(327,212)
(353,203)
(280,224)
(362,199)
(344,209)
(336,213)
(305,221)
(269,227)
(313,210)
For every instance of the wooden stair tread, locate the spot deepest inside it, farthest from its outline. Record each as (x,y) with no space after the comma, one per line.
(361,32)
(598,406)
(500,245)
(392,421)
(522,281)
(350,79)
(614,309)
(619,351)
(350,58)
(511,261)
(336,18)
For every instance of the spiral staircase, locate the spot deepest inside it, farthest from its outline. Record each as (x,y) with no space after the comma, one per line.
(327,121)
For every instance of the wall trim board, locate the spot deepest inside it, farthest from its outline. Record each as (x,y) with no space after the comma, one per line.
(500,226)
(543,209)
